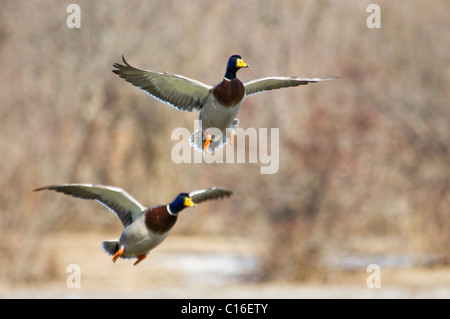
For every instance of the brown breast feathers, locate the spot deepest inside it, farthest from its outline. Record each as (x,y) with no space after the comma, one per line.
(229,92)
(158,219)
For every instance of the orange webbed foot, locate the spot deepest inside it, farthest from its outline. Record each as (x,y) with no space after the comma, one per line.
(231,137)
(118,254)
(140,258)
(207,141)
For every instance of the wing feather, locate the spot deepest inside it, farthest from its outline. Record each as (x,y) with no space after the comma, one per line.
(209,194)
(176,90)
(116,199)
(277,82)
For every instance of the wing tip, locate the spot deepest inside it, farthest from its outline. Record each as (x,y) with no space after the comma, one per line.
(209,194)
(222,192)
(49,187)
(225,192)
(120,67)
(336,76)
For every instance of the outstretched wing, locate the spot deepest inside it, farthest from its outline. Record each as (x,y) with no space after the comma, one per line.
(277,82)
(115,199)
(178,91)
(208,194)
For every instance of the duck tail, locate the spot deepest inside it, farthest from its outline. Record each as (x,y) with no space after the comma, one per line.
(110,246)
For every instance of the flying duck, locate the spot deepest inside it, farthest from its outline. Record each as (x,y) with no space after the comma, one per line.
(144,228)
(218,105)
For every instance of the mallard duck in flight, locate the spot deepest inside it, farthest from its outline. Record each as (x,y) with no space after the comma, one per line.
(218,105)
(144,228)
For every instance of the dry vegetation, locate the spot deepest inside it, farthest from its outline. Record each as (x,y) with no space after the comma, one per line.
(364,160)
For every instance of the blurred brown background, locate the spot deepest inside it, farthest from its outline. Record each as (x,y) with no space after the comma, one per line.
(364,160)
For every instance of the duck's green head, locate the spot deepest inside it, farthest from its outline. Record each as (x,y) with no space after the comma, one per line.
(234,64)
(181,202)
